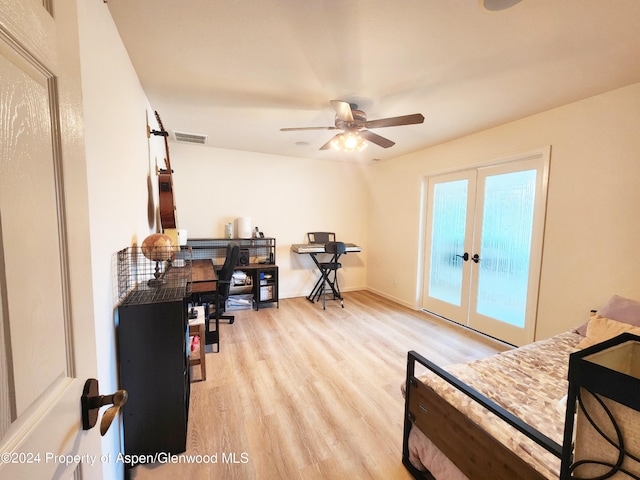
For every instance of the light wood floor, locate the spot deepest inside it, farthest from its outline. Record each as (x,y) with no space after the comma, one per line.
(301,393)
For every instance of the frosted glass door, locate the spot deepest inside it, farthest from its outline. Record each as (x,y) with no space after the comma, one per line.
(449,236)
(503,273)
(484,246)
(510,211)
(449,218)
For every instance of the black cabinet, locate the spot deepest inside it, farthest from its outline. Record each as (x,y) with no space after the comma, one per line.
(154,370)
(262,284)
(265,287)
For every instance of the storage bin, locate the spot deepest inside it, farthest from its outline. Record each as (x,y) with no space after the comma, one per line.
(266,293)
(239,302)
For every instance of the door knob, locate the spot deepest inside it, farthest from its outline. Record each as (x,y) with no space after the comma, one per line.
(464,257)
(91,402)
(476,258)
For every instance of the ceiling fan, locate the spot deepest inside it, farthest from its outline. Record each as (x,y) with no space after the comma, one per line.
(354,122)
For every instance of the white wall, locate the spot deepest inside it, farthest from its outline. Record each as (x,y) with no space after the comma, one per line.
(118,164)
(284,196)
(590,248)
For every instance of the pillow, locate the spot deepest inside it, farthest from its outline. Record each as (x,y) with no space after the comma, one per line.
(622,310)
(582,329)
(601,328)
(617,308)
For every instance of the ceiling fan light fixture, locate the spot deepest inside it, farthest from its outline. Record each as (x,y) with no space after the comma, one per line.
(348,142)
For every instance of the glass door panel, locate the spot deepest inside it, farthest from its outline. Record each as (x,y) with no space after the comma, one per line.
(447,247)
(503,272)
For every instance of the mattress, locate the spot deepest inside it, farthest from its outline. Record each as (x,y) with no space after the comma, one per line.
(530,382)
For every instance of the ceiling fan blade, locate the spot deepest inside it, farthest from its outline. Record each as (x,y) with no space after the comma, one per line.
(377,139)
(327,145)
(343,109)
(395,121)
(292,129)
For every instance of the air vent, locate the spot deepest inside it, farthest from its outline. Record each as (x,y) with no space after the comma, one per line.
(190,138)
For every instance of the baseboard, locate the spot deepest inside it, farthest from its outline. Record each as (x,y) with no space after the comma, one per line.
(306,293)
(355,289)
(391,297)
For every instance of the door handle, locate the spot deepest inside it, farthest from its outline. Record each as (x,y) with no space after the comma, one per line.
(464,257)
(91,402)
(476,258)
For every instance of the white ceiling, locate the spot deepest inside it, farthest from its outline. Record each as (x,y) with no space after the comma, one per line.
(239,70)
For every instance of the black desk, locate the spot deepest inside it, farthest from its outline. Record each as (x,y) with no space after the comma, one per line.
(313,249)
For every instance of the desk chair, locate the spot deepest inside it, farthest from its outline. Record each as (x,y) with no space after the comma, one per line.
(321,237)
(224,280)
(216,303)
(327,268)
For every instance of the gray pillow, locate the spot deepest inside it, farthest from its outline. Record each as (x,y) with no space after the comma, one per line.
(619,309)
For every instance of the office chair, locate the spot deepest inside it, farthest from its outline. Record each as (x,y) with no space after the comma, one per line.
(216,303)
(224,279)
(327,268)
(321,237)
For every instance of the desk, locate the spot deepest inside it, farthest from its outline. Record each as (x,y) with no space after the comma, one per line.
(203,276)
(313,249)
(204,279)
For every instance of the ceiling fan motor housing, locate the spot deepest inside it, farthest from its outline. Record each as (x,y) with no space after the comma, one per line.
(359,119)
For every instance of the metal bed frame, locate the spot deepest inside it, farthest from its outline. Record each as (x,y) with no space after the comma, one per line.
(449,429)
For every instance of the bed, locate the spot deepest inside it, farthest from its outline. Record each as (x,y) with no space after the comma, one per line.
(501,417)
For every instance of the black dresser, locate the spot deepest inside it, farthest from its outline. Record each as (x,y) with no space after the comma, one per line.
(154,370)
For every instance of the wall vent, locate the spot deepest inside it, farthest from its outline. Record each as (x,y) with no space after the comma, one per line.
(190,138)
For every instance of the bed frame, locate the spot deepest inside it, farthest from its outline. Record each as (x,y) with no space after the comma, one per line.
(476,453)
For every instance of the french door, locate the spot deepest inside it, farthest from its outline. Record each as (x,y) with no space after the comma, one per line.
(484,246)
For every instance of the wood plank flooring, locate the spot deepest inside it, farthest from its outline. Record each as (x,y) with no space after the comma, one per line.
(298,392)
